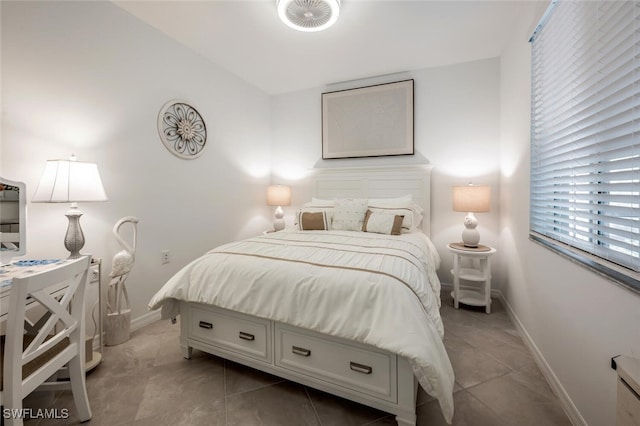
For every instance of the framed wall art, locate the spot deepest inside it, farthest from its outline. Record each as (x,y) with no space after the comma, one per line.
(182,129)
(370,121)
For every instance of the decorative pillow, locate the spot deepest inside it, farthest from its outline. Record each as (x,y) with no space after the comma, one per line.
(348,214)
(328,211)
(313,221)
(382,223)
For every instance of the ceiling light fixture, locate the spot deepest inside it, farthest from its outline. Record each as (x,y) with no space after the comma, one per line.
(309,15)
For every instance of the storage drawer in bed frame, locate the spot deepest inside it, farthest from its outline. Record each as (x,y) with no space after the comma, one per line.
(345,364)
(358,372)
(229,330)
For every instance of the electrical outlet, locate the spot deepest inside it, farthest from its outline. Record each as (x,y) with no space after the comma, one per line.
(165,256)
(94,275)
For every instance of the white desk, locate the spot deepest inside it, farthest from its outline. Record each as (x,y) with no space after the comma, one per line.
(26,267)
(16,269)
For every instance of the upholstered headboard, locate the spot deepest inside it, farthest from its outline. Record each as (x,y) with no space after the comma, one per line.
(377,182)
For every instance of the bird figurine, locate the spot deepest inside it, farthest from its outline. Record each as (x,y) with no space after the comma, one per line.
(121,265)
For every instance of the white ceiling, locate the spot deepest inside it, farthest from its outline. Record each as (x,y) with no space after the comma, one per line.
(371,37)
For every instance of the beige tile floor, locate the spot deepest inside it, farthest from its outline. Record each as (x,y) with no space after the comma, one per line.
(145,381)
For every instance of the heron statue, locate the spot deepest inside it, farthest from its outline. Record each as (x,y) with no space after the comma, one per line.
(118,299)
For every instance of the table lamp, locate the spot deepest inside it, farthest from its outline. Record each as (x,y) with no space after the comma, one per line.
(278,195)
(471,199)
(70,181)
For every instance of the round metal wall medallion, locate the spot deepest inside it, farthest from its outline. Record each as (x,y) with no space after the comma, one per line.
(182,129)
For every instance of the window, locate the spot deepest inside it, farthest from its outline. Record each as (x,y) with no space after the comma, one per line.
(585,135)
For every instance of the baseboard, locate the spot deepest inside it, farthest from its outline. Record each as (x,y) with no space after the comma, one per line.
(137,323)
(567,404)
(144,320)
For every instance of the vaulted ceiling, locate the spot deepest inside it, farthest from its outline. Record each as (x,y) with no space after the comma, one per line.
(371,37)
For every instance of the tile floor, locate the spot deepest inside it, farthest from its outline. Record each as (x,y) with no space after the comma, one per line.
(145,381)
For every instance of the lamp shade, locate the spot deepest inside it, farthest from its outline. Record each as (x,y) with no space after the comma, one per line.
(69,181)
(472,198)
(278,195)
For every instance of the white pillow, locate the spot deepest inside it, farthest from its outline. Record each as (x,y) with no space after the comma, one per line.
(417,214)
(348,214)
(412,214)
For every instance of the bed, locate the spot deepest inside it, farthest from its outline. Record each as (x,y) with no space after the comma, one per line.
(349,312)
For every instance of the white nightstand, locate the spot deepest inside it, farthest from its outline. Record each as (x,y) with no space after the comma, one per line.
(478,269)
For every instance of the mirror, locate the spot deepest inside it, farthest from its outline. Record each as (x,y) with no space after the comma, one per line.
(13,205)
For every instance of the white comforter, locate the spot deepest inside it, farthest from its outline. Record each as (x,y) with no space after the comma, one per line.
(375,289)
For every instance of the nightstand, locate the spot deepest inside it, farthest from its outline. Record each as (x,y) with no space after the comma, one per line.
(472,265)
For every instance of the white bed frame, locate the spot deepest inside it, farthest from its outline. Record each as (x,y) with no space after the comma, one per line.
(263,344)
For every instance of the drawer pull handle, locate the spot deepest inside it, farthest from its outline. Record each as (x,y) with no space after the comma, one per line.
(359,368)
(246,336)
(300,351)
(204,324)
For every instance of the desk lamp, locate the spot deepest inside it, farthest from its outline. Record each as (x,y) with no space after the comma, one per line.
(70,181)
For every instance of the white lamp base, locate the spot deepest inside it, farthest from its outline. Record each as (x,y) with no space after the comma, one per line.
(74,239)
(470,235)
(278,222)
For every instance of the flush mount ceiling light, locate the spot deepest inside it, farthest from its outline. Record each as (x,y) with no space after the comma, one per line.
(309,15)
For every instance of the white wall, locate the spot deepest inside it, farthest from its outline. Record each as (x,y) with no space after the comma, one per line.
(88,78)
(456,129)
(576,319)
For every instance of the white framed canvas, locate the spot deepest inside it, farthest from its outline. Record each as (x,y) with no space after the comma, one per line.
(370,121)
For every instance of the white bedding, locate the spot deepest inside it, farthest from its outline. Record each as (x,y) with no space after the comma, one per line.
(375,289)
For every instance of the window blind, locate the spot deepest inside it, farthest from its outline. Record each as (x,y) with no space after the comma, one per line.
(585,132)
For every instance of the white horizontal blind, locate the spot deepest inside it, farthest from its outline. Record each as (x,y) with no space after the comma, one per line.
(585,129)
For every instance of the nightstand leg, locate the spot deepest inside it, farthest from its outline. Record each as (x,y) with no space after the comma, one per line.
(487,285)
(488,301)
(456,281)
